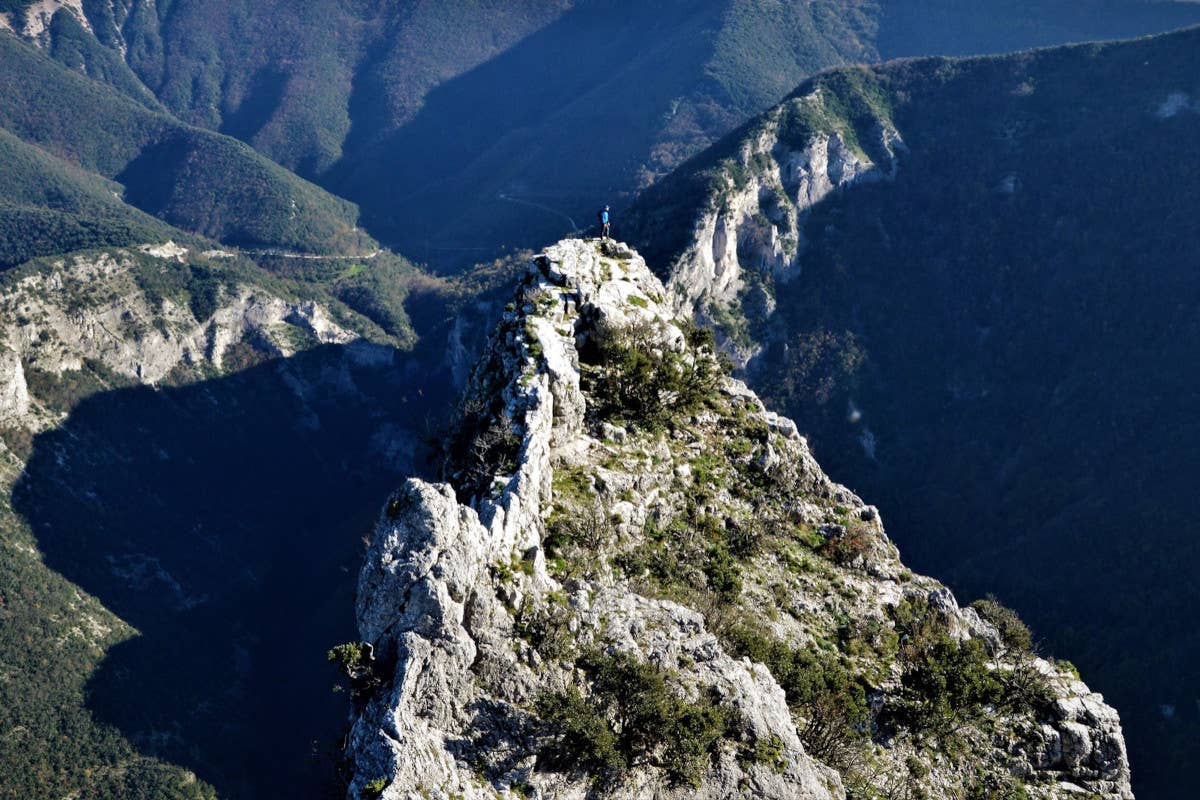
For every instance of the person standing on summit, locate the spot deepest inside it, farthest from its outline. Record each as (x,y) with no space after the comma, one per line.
(602,215)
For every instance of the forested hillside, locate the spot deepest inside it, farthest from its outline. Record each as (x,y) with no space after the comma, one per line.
(443,122)
(202,182)
(52,206)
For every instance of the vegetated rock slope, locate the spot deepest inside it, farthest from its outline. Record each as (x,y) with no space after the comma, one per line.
(188,446)
(974,283)
(638,582)
(382,102)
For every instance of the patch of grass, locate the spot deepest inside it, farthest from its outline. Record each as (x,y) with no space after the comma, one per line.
(766,752)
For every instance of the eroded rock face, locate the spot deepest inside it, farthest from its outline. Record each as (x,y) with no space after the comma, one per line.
(14,392)
(760,225)
(751,231)
(423,565)
(92,308)
(108,319)
(453,584)
(36,18)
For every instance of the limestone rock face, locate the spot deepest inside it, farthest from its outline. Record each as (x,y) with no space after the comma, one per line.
(1084,742)
(750,232)
(423,564)
(104,314)
(38,15)
(54,321)
(14,392)
(478,598)
(761,223)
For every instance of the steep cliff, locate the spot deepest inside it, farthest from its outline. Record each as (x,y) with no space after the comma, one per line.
(732,230)
(637,582)
(992,327)
(182,435)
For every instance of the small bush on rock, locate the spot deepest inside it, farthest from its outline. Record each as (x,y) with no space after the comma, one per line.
(723,573)
(375,788)
(547,626)
(1013,632)
(630,717)
(633,375)
(356,660)
(583,737)
(830,702)
(847,547)
(997,788)
(947,682)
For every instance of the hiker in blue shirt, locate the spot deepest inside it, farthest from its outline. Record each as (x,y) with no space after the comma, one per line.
(602,215)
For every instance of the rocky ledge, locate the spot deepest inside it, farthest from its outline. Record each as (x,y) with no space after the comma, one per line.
(636,581)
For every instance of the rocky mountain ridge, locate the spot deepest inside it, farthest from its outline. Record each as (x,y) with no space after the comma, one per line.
(987,321)
(624,523)
(749,227)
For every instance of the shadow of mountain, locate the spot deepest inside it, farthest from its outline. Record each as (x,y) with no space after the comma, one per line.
(223,520)
(555,121)
(523,148)
(254,112)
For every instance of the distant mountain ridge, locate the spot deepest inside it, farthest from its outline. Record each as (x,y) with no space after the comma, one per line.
(442,121)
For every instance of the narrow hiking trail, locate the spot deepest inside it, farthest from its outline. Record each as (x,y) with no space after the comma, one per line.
(309,256)
(570,221)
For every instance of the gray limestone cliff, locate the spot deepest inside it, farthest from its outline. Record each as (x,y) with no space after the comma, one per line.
(755,195)
(125,317)
(637,582)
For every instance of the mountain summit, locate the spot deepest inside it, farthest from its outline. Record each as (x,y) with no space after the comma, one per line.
(637,580)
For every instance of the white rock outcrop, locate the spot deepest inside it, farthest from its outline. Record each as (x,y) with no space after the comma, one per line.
(750,231)
(14,392)
(37,16)
(448,578)
(756,221)
(57,318)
